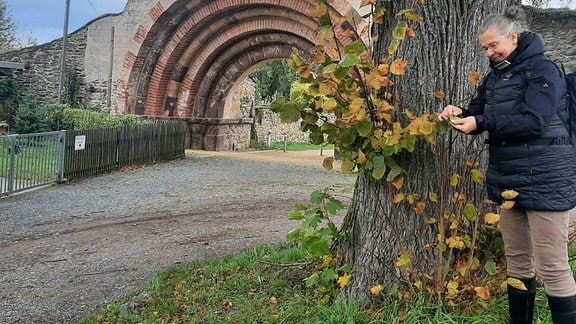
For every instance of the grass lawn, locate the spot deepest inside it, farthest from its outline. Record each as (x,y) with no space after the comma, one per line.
(265,285)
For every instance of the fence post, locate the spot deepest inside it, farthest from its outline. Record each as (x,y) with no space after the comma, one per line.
(61,156)
(11,164)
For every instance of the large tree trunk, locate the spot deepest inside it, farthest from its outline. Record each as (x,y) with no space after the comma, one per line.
(439,58)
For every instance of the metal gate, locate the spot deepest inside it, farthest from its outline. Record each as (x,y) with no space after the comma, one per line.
(30,160)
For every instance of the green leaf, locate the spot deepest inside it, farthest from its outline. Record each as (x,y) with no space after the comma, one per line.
(394,44)
(394,172)
(348,167)
(312,280)
(347,137)
(470,212)
(333,206)
(490,268)
(329,275)
(350,60)
(296,215)
(355,48)
(400,30)
(378,172)
(317,197)
(317,138)
(290,114)
(365,128)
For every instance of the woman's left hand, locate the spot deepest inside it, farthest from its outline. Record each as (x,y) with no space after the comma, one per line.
(465,125)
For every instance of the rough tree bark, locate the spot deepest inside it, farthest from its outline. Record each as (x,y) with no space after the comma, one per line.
(439,58)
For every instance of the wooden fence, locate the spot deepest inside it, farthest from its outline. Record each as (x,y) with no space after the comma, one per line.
(90,152)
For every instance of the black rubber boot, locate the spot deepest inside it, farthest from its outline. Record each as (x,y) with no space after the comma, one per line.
(563,309)
(521,302)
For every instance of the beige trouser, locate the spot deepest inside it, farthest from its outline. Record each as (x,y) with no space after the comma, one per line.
(537,242)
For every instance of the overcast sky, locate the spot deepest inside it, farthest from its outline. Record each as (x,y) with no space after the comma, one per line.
(44,19)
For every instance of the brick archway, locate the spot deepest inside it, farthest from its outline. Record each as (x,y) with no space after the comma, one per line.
(188,60)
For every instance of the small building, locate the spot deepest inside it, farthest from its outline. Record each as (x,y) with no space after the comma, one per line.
(4,127)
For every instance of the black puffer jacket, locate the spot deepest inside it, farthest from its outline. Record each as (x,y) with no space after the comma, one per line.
(519,106)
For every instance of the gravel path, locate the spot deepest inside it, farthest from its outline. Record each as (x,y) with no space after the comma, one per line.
(70,249)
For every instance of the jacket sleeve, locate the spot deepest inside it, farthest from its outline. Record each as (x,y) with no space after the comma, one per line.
(476,107)
(538,106)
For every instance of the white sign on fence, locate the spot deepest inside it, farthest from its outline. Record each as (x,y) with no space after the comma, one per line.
(79,142)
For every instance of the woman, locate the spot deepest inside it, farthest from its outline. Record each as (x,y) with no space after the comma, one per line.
(520,103)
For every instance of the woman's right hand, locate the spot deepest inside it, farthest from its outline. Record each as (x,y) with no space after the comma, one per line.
(450,111)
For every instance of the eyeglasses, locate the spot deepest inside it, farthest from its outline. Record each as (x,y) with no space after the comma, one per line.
(494,44)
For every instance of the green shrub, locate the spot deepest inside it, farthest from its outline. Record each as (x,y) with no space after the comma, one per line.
(29,118)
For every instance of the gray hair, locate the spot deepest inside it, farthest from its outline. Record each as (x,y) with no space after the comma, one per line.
(513,20)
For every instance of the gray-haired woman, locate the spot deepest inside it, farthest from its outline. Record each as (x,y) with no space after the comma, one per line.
(521,104)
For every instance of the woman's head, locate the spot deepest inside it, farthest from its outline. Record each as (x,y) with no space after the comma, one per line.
(499,34)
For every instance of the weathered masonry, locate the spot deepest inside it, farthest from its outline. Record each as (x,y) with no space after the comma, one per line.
(180,59)
(186,59)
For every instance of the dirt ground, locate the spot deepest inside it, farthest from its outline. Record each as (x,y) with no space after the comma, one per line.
(59,273)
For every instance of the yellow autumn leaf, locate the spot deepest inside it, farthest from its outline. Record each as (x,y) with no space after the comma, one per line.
(454,180)
(383,69)
(432,221)
(328,163)
(376,290)
(509,194)
(483,292)
(410,32)
(362,157)
(516,283)
(474,77)
(398,183)
(344,280)
(398,198)
(420,208)
(491,218)
(452,288)
(418,284)
(356,105)
(367,3)
(440,95)
(398,67)
(433,197)
(508,204)
(273,301)
(404,260)
(455,242)
(319,11)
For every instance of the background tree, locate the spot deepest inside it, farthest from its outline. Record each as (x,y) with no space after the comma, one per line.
(8,39)
(272,80)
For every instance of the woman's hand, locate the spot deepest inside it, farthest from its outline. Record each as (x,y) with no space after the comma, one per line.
(450,111)
(465,125)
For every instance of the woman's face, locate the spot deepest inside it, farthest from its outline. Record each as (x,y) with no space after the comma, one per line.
(497,46)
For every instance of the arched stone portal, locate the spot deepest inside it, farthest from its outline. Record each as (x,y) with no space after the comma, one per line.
(186,63)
